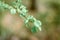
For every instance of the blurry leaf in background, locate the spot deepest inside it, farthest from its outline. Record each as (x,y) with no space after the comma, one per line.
(34,29)
(13,11)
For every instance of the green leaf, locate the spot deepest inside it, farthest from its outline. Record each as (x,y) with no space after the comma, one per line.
(34,29)
(37,23)
(13,11)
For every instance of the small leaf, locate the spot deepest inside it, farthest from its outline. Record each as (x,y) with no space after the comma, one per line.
(39,28)
(34,29)
(37,23)
(22,6)
(13,11)
(31,18)
(24,10)
(26,21)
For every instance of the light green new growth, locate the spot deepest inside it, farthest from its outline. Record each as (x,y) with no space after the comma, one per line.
(17,7)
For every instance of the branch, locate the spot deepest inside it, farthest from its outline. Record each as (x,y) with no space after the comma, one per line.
(31,23)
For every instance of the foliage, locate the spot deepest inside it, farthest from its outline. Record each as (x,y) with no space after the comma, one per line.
(17,7)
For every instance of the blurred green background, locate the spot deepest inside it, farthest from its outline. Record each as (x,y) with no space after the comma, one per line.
(47,11)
